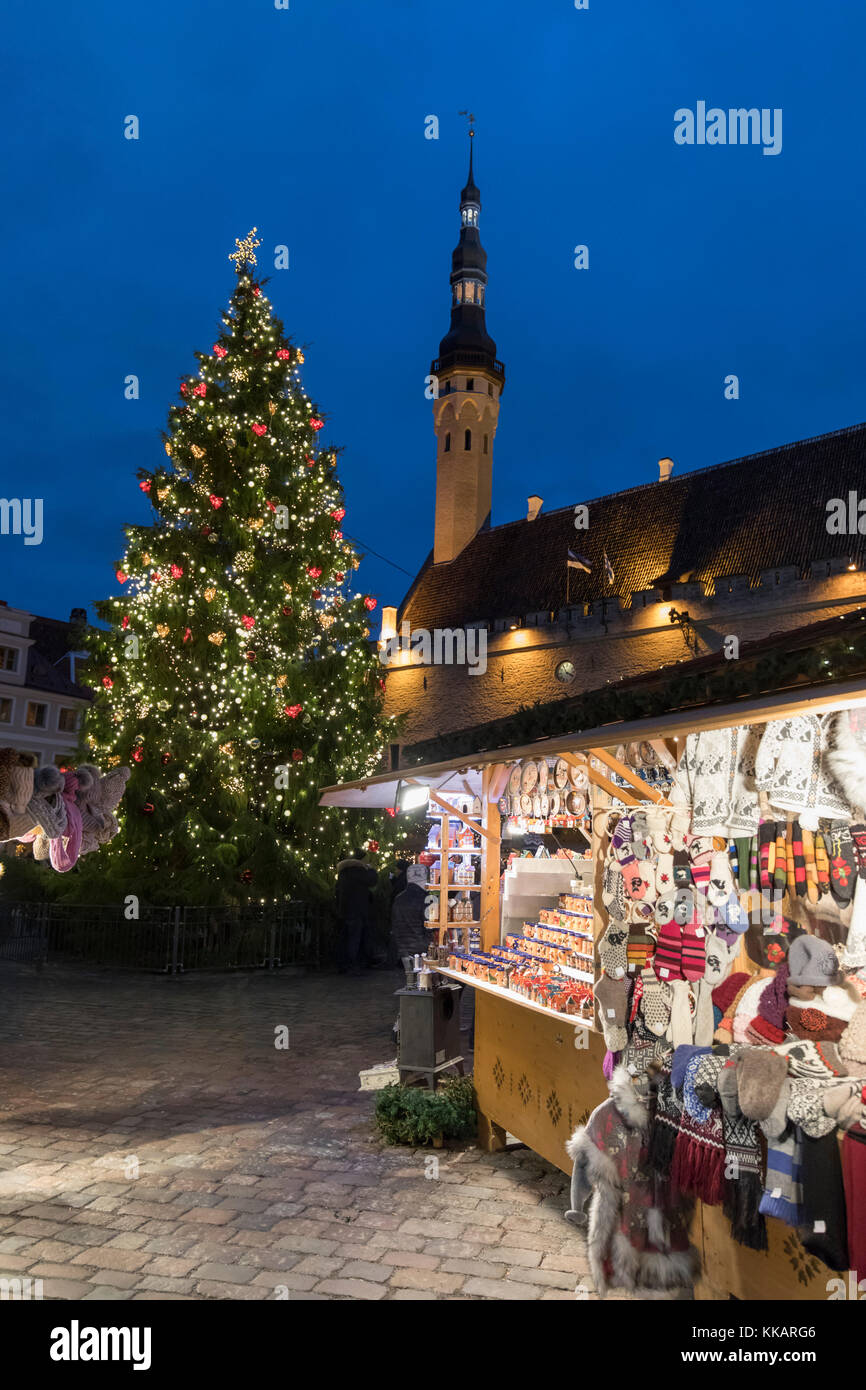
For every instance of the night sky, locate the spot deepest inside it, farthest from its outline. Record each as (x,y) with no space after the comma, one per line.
(309,124)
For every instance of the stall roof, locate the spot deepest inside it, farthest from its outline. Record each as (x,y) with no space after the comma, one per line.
(463,775)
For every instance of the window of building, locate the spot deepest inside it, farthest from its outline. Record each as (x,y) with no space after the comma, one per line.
(486,438)
(5,711)
(67,720)
(36,713)
(470,217)
(467,440)
(448,443)
(470,383)
(8,658)
(63,760)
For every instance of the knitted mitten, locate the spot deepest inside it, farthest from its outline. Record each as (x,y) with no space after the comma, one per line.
(613,890)
(613,953)
(679,830)
(766,838)
(701,864)
(639,948)
(663,909)
(680,1030)
(633,877)
(640,847)
(811,867)
(732,915)
(655,1002)
(664,873)
(704,1022)
(612,999)
(660,837)
(682,868)
(721,881)
(858,835)
(621,839)
(694,957)
(718,957)
(843,863)
(685,903)
(668,959)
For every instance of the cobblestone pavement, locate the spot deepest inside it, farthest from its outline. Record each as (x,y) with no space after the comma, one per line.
(154,1144)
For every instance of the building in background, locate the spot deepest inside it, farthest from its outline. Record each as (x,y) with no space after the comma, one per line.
(613,587)
(41,701)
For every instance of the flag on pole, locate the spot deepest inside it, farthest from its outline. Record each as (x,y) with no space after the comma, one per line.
(608,570)
(578,562)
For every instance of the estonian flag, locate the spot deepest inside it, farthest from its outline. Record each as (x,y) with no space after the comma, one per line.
(608,570)
(578,562)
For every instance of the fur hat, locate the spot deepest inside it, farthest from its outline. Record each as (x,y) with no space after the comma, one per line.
(16,778)
(812,961)
(417,874)
(837,1001)
(852,1045)
(846,754)
(761,1075)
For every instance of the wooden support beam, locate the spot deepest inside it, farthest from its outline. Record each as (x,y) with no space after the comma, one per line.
(499,780)
(647,793)
(601,781)
(453,811)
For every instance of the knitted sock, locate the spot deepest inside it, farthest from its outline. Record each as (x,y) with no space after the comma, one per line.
(655,1002)
(613,952)
(766,837)
(668,958)
(734,857)
(639,948)
(743,862)
(679,829)
(753,862)
(721,881)
(701,871)
(620,840)
(811,867)
(613,890)
(704,1024)
(843,862)
(790,870)
(682,868)
(771,856)
(694,957)
(799,859)
(780,873)
(680,1030)
(822,863)
(664,873)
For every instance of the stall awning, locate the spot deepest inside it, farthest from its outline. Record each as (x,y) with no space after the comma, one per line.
(465,776)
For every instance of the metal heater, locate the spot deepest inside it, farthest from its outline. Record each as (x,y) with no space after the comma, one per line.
(429,1032)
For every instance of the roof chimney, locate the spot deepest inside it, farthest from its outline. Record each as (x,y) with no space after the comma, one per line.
(533,506)
(666,468)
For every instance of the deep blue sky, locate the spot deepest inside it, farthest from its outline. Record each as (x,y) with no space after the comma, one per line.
(310,125)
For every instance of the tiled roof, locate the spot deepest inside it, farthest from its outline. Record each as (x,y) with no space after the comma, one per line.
(48,659)
(756,513)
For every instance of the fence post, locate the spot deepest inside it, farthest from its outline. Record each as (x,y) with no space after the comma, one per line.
(175,934)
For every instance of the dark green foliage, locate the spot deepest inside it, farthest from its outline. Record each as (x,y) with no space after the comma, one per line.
(415,1116)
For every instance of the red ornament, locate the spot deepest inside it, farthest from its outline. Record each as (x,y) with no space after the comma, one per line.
(338,513)
(381,683)
(156,577)
(292,710)
(370,603)
(272,506)
(317,593)
(145,485)
(260,430)
(283,354)
(200,390)
(313,571)
(147,808)
(206,530)
(297,755)
(336,535)
(219,351)
(166,758)
(124,622)
(187,634)
(248,622)
(256,291)
(247,875)
(250,655)
(286,612)
(177,571)
(311,459)
(389,811)
(107,682)
(373,846)
(137,755)
(121,577)
(339,576)
(216,502)
(183,388)
(316,423)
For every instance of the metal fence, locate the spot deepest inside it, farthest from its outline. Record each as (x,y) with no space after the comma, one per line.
(169,940)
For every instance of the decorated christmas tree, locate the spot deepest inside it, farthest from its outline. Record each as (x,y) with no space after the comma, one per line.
(237,675)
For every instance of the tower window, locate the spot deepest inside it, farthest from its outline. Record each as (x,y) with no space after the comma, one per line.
(467,440)
(469,216)
(470,383)
(448,443)
(486,437)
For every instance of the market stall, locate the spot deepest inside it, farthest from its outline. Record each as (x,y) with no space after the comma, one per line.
(706,947)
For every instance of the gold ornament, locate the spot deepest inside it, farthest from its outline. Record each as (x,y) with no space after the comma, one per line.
(326,619)
(216,637)
(299,356)
(196,451)
(162,493)
(228,748)
(246,252)
(210,595)
(145,559)
(113,760)
(287,586)
(162,629)
(272,408)
(168,448)
(281,680)
(245,560)
(255,523)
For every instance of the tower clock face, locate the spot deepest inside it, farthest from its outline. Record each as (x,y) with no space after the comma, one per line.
(566,672)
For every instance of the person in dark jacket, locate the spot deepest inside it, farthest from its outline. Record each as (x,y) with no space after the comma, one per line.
(355,879)
(408,932)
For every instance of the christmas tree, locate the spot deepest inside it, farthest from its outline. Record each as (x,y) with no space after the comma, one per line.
(237,675)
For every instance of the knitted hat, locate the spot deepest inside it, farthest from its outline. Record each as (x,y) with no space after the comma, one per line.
(763,1033)
(774,1000)
(837,1002)
(852,1046)
(417,874)
(812,961)
(812,1060)
(724,994)
(16,778)
(805,1020)
(726,1084)
(747,1009)
(761,1075)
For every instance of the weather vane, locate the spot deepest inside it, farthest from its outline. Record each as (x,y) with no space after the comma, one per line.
(246,252)
(471,119)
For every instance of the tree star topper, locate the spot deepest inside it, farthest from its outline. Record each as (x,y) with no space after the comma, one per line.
(246,252)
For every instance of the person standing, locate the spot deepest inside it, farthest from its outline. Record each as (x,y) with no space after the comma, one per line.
(409,935)
(355,880)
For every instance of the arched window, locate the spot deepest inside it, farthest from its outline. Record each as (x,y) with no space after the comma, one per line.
(467,440)
(448,443)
